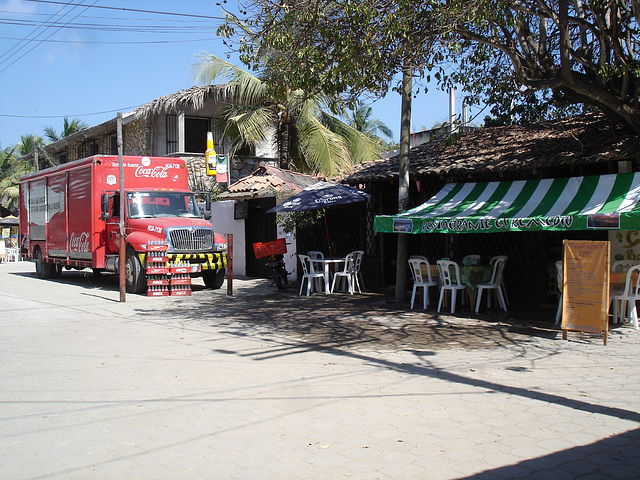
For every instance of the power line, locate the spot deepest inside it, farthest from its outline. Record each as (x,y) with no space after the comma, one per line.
(71,116)
(131,10)
(39,43)
(120,43)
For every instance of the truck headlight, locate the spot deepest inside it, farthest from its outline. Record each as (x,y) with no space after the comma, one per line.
(221,247)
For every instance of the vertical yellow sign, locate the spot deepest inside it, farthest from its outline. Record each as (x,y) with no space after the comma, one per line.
(210,156)
(585,293)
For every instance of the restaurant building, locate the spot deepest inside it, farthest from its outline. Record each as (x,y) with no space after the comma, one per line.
(472,191)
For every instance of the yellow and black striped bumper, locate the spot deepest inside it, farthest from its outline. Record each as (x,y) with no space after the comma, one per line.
(207,261)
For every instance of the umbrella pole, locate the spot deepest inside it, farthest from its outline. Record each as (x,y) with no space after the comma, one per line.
(326,228)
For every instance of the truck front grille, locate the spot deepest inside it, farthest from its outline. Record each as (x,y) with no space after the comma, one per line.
(191,239)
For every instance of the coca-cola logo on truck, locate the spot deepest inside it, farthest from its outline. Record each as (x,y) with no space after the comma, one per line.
(79,243)
(159,171)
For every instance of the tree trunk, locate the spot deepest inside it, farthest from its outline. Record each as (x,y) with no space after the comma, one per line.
(283,140)
(403,180)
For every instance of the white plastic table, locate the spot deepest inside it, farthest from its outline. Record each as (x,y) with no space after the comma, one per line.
(324,264)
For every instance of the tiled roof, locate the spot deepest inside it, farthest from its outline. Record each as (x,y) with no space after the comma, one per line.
(269,181)
(576,140)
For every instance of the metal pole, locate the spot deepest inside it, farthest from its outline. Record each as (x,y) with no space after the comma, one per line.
(229,263)
(122,245)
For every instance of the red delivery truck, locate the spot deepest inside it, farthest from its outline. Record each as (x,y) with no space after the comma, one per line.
(69,218)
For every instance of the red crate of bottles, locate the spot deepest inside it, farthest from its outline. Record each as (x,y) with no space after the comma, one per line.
(276,247)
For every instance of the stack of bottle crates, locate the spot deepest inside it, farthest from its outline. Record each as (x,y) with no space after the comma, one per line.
(180,281)
(157,270)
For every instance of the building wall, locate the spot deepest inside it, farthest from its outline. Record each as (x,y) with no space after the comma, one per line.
(222,214)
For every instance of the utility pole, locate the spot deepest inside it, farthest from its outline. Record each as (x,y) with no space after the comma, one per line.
(403,178)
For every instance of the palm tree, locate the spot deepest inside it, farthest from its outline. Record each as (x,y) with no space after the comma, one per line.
(10,173)
(361,120)
(29,143)
(308,139)
(69,127)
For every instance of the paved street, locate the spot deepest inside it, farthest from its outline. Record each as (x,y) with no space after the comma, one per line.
(269,385)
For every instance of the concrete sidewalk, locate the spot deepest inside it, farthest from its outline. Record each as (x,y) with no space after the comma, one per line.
(270,385)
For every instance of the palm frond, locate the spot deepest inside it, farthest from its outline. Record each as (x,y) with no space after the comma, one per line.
(243,87)
(324,151)
(252,125)
(361,147)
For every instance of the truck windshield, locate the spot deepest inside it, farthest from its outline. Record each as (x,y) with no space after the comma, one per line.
(161,204)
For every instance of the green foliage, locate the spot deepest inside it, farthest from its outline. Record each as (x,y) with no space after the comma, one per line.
(69,128)
(506,53)
(10,172)
(292,220)
(308,139)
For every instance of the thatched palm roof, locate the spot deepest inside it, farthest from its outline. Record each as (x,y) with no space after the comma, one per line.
(193,98)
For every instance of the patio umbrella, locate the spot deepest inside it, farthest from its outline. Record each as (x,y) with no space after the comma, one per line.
(320,196)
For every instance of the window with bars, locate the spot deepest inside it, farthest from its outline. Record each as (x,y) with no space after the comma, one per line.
(172,133)
(92,147)
(113,144)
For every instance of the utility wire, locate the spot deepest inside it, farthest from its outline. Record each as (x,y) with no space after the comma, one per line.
(71,116)
(120,42)
(131,10)
(40,42)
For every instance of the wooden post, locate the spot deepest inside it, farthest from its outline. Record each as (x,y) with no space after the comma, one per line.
(122,245)
(230,264)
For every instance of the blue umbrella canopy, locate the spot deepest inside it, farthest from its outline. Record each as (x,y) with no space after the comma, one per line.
(321,195)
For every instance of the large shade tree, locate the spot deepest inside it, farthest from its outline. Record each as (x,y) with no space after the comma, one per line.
(308,139)
(573,52)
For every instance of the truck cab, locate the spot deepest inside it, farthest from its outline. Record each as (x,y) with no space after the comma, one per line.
(171,216)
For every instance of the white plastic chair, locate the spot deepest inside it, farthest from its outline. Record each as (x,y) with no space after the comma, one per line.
(494,284)
(13,254)
(471,259)
(445,267)
(421,279)
(627,300)
(315,255)
(504,290)
(623,265)
(560,280)
(347,274)
(309,274)
(358,255)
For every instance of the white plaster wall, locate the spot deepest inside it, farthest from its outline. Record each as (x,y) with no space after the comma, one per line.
(223,223)
(290,259)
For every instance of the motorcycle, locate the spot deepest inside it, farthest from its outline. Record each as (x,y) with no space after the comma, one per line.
(274,253)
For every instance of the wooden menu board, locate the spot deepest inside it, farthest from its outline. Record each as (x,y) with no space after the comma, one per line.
(585,287)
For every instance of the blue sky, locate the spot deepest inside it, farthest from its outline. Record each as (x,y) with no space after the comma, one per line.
(88,63)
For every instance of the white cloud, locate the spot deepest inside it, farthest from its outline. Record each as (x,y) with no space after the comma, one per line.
(17,7)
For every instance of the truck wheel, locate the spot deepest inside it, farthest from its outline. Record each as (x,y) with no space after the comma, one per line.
(43,269)
(135,276)
(56,271)
(214,279)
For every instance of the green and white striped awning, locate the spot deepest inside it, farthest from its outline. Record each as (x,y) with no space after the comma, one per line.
(576,203)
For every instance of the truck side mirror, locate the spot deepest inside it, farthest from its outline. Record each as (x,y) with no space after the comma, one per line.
(104,207)
(207,207)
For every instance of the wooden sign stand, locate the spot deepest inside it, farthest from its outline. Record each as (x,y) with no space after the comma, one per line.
(585,287)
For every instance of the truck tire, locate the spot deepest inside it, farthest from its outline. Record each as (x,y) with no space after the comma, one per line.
(43,269)
(56,270)
(214,279)
(135,276)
